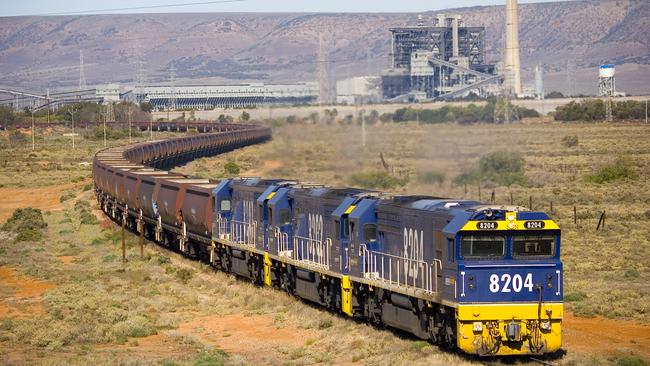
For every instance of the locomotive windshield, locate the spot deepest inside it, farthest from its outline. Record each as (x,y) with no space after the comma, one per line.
(533,245)
(482,246)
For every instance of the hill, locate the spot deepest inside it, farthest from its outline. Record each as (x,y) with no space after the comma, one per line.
(39,52)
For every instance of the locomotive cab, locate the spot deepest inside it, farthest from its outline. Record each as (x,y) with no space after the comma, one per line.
(509,283)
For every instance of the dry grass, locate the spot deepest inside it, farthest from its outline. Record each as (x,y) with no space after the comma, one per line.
(104,312)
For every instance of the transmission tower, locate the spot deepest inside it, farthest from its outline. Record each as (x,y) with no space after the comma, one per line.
(570,73)
(110,112)
(82,74)
(323,78)
(172,89)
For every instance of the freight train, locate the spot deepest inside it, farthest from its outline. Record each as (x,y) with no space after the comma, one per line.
(482,278)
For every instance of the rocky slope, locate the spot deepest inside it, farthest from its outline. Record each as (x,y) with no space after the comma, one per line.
(39,52)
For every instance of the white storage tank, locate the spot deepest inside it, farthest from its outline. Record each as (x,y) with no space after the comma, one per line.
(606,71)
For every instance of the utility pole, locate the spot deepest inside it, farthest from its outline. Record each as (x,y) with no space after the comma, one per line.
(646,111)
(104,129)
(129,116)
(33,132)
(71,111)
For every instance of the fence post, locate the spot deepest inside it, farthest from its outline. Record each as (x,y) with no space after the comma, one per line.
(575,215)
(492,196)
(511,198)
(551,206)
(601,221)
(530,202)
(479,191)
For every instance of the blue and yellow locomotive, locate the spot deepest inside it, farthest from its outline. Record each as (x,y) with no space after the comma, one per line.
(483,278)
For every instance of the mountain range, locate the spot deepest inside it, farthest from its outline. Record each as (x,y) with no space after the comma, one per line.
(570,39)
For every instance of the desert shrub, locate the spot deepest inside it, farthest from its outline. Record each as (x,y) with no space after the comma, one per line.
(575,296)
(184,274)
(620,169)
(210,358)
(66,196)
(432,177)
(325,323)
(493,111)
(377,179)
(97,133)
(630,361)
(87,218)
(418,346)
(231,168)
(570,141)
(594,110)
(631,273)
(501,167)
(87,187)
(28,223)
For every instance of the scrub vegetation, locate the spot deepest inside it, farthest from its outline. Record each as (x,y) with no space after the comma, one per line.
(67,298)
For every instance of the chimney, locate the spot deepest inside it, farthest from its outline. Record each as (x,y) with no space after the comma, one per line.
(454,34)
(512,68)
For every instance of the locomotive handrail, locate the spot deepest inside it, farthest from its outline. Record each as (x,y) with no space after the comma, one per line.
(243,232)
(282,243)
(312,251)
(376,265)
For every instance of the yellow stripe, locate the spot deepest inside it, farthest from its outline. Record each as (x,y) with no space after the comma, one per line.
(508,225)
(346,295)
(474,312)
(352,207)
(270,195)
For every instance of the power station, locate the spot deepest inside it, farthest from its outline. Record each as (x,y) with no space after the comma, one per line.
(436,61)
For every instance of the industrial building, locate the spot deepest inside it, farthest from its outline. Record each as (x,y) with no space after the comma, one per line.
(225,96)
(358,90)
(436,61)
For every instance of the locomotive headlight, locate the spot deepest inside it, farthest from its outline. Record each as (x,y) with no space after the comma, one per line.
(477,326)
(511,217)
(546,325)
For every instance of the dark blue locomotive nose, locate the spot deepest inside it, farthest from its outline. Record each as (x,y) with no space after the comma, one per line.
(509,282)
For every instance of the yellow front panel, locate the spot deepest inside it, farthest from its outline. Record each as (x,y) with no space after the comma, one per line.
(267,269)
(346,295)
(482,328)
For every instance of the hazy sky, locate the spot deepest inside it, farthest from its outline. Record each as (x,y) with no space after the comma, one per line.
(63,7)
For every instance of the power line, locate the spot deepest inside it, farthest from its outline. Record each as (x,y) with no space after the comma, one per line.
(139,7)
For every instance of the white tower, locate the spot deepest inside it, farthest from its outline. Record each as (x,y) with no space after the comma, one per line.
(512,82)
(607,88)
(539,81)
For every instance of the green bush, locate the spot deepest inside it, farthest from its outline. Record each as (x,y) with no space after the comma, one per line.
(575,296)
(570,141)
(210,358)
(631,361)
(432,177)
(620,169)
(27,223)
(184,274)
(66,196)
(594,110)
(377,179)
(87,218)
(493,111)
(501,167)
(231,168)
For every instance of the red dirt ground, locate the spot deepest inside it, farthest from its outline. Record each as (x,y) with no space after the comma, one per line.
(44,198)
(605,336)
(20,296)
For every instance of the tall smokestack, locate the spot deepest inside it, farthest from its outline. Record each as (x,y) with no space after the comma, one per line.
(454,34)
(513,72)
